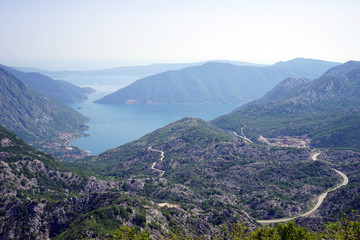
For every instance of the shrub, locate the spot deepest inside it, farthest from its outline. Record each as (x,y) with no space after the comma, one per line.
(139,220)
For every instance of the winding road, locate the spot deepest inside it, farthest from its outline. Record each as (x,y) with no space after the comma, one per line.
(320,198)
(161,172)
(242,137)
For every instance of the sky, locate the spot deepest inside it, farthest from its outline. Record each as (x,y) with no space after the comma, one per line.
(95,34)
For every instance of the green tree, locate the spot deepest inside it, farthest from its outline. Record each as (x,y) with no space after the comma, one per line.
(264,233)
(237,231)
(131,233)
(290,231)
(345,229)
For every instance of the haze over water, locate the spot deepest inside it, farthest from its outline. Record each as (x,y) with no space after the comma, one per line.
(112,125)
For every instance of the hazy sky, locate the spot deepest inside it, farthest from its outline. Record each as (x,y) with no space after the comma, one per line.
(88,34)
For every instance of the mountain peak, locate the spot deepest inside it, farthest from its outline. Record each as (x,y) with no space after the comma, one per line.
(303,62)
(343,69)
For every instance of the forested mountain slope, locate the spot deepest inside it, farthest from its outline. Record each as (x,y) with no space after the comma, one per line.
(39,119)
(215,83)
(31,114)
(61,90)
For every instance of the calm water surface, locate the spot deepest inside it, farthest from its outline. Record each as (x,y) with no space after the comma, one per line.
(112,125)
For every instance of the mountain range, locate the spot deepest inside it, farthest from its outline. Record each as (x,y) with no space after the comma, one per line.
(214,83)
(327,110)
(63,91)
(117,77)
(139,71)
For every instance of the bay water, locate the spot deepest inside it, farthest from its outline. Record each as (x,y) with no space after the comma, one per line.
(112,125)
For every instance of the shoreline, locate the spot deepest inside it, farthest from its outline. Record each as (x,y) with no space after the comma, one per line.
(68,143)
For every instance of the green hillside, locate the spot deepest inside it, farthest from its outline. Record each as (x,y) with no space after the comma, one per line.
(60,90)
(214,83)
(32,115)
(35,117)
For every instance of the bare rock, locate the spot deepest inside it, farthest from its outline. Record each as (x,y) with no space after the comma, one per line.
(99,186)
(5,142)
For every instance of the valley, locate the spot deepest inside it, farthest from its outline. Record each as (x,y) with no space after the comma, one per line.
(38,118)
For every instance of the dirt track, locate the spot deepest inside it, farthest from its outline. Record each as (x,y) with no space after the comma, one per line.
(154,163)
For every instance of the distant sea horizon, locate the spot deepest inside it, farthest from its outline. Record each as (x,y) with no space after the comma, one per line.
(112,125)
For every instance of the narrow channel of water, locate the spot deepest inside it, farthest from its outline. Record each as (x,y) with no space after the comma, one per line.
(112,125)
